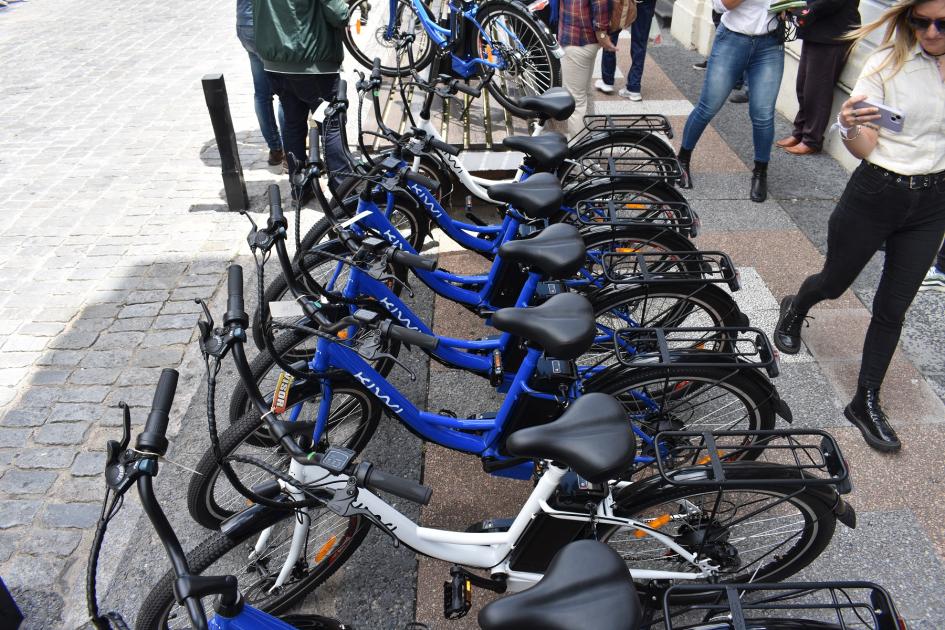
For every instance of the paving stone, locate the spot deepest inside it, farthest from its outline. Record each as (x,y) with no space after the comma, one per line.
(159,357)
(184,306)
(107,358)
(14,437)
(140,310)
(45,457)
(90,394)
(25,417)
(24,343)
(163,322)
(9,541)
(16,512)
(131,323)
(73,341)
(119,340)
(95,376)
(50,377)
(17,359)
(58,542)
(75,412)
(27,482)
(61,433)
(65,358)
(89,464)
(167,338)
(78,515)
(41,329)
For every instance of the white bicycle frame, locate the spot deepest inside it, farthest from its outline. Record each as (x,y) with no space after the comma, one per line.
(478,550)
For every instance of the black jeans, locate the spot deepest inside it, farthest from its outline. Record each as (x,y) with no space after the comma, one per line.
(940,260)
(301,94)
(817,73)
(874,209)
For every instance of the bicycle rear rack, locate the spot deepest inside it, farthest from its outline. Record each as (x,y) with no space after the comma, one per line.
(734,347)
(844,605)
(622,167)
(654,123)
(676,215)
(813,454)
(636,267)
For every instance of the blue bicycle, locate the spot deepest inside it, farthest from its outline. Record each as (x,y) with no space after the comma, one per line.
(499,40)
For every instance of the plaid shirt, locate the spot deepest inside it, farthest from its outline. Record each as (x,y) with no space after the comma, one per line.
(579,20)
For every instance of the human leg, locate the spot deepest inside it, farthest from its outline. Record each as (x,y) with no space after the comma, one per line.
(799,89)
(639,38)
(577,67)
(295,128)
(825,62)
(262,92)
(765,69)
(608,62)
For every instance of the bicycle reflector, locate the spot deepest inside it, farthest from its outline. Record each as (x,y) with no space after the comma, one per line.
(655,523)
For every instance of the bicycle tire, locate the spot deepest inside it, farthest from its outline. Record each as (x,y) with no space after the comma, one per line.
(642,189)
(644,143)
(599,241)
(355,40)
(202,501)
(160,603)
(531,32)
(819,519)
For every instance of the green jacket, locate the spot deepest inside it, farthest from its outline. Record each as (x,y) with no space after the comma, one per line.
(300,36)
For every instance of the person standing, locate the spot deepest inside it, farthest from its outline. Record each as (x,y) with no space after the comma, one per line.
(582,30)
(935,278)
(262,91)
(823,56)
(300,43)
(896,195)
(639,38)
(746,43)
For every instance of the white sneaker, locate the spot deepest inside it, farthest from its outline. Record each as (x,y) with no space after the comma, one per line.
(934,281)
(603,87)
(633,96)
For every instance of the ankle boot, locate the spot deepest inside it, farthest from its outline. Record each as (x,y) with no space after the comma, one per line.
(865,412)
(787,332)
(759,182)
(684,158)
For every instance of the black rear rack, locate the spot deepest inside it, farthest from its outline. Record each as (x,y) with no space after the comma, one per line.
(813,454)
(622,167)
(654,123)
(676,215)
(843,605)
(734,347)
(649,267)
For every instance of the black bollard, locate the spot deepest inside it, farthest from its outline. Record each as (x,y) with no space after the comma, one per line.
(214,90)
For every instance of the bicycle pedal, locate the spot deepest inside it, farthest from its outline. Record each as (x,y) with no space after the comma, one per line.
(457,597)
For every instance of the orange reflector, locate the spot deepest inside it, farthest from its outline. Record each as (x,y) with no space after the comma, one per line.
(655,523)
(249,503)
(329,544)
(357,27)
(343,333)
(634,206)
(489,54)
(627,250)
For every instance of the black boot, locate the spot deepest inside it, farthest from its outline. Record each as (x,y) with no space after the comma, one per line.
(787,332)
(864,411)
(685,155)
(759,182)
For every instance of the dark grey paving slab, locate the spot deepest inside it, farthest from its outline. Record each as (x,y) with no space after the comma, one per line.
(813,401)
(738,215)
(811,216)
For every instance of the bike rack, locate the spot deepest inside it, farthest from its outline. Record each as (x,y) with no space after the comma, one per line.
(813,453)
(649,267)
(861,605)
(741,348)
(676,215)
(654,123)
(622,167)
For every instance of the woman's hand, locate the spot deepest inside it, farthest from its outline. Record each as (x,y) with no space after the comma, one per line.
(850,117)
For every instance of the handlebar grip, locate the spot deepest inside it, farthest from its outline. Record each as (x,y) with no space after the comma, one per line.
(443,146)
(407,259)
(314,151)
(467,89)
(398,486)
(426,182)
(412,337)
(275,205)
(235,309)
(376,69)
(342,94)
(153,439)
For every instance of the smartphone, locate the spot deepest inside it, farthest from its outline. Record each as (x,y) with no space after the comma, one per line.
(892,118)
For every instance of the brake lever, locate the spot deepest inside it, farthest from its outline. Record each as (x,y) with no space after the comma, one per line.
(118,456)
(216,342)
(371,351)
(378,271)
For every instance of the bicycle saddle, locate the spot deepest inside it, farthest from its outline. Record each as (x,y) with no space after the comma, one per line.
(558,251)
(539,196)
(548,151)
(587,585)
(564,325)
(555,103)
(592,437)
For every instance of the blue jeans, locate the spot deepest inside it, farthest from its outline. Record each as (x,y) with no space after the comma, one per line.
(262,91)
(761,59)
(639,37)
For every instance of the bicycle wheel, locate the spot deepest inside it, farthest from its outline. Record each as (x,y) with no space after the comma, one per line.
(525,45)
(331,541)
(586,158)
(631,239)
(366,35)
(680,305)
(754,534)
(352,421)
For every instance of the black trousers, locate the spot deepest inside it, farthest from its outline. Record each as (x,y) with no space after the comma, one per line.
(301,94)
(872,210)
(817,74)
(940,260)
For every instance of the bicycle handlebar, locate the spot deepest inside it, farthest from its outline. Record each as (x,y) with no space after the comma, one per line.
(409,336)
(275,205)
(443,146)
(407,259)
(342,93)
(377,479)
(153,438)
(235,308)
(426,182)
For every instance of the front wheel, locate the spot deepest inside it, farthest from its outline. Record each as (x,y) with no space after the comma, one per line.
(754,534)
(513,36)
(366,35)
(331,541)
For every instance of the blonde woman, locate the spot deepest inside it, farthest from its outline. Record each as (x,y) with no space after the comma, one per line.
(896,195)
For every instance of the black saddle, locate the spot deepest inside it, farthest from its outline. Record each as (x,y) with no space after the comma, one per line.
(587,585)
(593,437)
(564,325)
(539,196)
(554,103)
(558,251)
(548,150)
